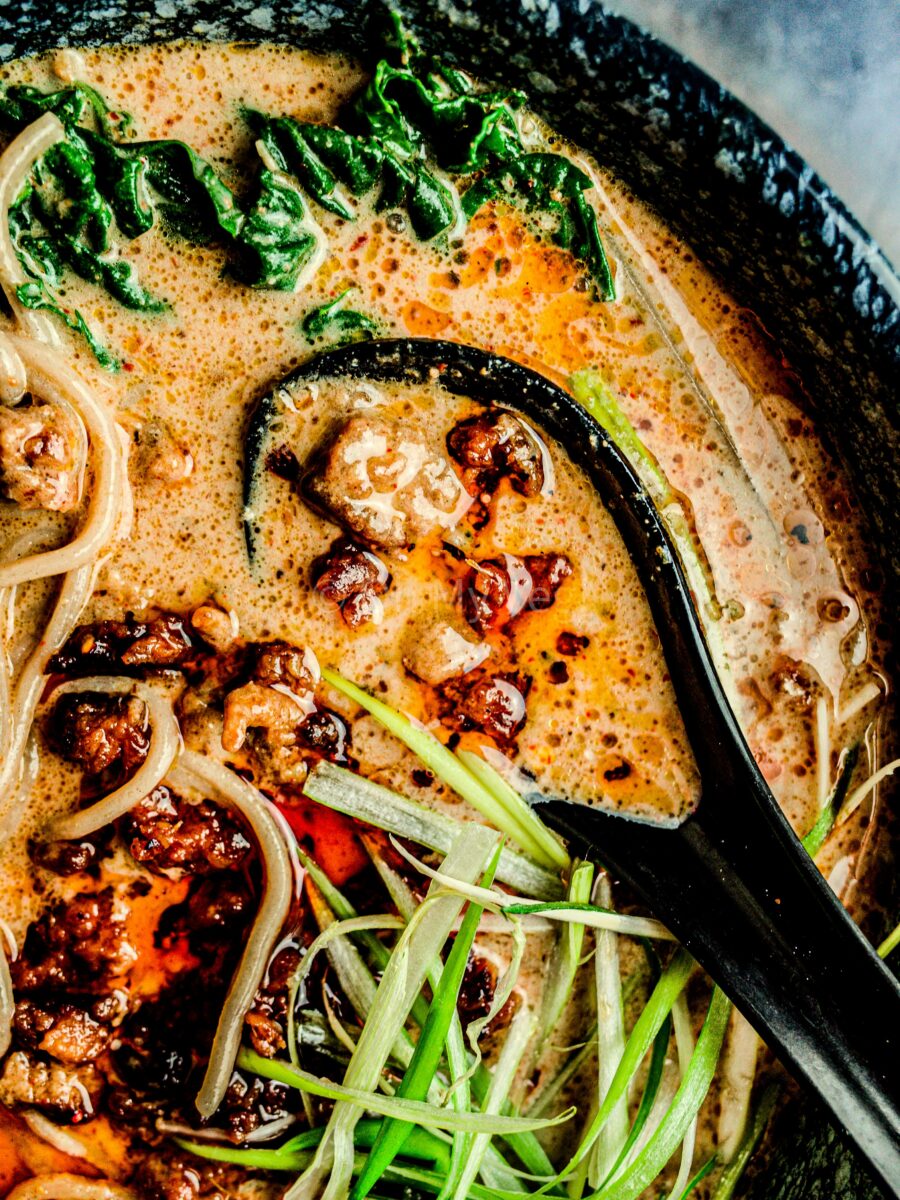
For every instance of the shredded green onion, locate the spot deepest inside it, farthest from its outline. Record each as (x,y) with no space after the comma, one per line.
(518,1037)
(427,1056)
(518,809)
(815,839)
(590,390)
(658,1007)
(707,1168)
(567,957)
(418,947)
(681,1112)
(730,1177)
(890,942)
(351,794)
(428,1116)
(612,1136)
(530,835)
(293,1155)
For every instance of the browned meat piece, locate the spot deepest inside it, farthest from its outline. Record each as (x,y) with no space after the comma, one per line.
(98,730)
(326,734)
(495,445)
(275,713)
(165,1175)
(165,832)
(117,647)
(68,1095)
(268,710)
(266,1020)
(251,1102)
(62,1030)
(283,462)
(39,465)
(154,1048)
(218,628)
(218,903)
(77,946)
(548,573)
(476,994)
(354,578)
(496,590)
(486,590)
(69,858)
(384,482)
(494,704)
(281,664)
(157,455)
(571,644)
(435,650)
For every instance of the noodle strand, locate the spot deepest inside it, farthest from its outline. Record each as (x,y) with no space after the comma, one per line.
(54,381)
(195,770)
(165,744)
(61,1185)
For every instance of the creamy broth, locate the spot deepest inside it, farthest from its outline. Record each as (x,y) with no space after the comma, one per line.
(795,617)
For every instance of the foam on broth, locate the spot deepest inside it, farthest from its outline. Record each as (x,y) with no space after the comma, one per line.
(707,392)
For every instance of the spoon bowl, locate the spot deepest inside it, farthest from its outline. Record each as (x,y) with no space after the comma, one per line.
(731,880)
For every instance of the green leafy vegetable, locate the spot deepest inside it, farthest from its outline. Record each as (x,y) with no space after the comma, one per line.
(549,184)
(335,317)
(36,296)
(276,242)
(415,124)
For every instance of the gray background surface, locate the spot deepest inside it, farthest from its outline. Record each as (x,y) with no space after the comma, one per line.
(824,73)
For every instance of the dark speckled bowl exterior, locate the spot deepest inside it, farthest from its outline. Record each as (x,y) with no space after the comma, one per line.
(751,208)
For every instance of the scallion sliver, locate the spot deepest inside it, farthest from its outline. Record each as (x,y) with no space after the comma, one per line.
(427,1055)
(425,1115)
(518,822)
(658,1007)
(514,804)
(351,794)
(691,1093)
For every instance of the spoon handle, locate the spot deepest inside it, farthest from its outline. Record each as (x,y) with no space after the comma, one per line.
(766,926)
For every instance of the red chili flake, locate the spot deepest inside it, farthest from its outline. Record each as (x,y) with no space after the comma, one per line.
(127,366)
(360,241)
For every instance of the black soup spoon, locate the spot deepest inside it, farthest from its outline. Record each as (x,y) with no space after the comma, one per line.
(731,881)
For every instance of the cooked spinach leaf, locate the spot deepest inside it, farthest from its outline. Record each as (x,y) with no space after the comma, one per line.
(333,317)
(416,123)
(36,296)
(275,243)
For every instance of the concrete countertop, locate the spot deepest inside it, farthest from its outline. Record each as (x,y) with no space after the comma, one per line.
(824,73)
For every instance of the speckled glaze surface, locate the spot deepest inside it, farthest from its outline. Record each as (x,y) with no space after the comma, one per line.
(751,208)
